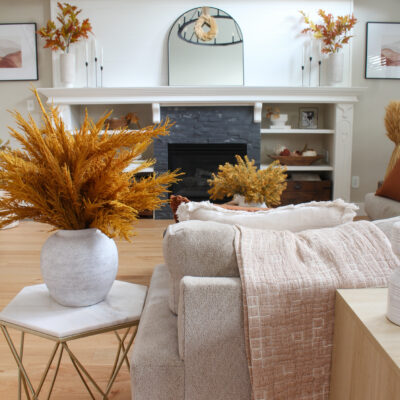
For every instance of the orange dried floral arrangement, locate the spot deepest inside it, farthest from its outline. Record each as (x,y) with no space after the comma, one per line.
(78,180)
(333,33)
(257,186)
(70,31)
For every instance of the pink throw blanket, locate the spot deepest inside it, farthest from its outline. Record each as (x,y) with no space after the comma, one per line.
(289,282)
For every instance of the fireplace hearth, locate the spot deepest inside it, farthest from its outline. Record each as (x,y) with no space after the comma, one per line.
(199,161)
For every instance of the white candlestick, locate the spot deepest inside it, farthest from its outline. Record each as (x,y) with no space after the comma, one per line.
(86,51)
(304,54)
(101,57)
(94,48)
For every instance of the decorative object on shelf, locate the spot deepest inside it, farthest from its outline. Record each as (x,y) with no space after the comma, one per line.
(61,38)
(206,19)
(277,119)
(298,157)
(382,50)
(296,160)
(76,181)
(308,118)
(258,187)
(197,56)
(123,122)
(392,125)
(333,33)
(18,52)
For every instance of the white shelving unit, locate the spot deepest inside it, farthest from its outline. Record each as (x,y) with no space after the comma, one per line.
(308,168)
(275,131)
(335,121)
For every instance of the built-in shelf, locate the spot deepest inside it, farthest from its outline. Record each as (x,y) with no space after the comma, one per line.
(136,164)
(304,167)
(298,131)
(111,131)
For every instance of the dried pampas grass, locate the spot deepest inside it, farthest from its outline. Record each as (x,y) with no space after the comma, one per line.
(77,180)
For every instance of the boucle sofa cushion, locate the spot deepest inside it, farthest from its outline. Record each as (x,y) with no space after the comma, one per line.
(294,218)
(198,248)
(378,207)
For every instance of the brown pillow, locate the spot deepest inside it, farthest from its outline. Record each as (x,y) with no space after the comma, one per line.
(391,185)
(175,202)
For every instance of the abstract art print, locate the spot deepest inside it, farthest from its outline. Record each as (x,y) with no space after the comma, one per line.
(383,50)
(18,52)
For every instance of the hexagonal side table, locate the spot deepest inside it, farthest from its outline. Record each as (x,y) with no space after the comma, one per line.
(34,311)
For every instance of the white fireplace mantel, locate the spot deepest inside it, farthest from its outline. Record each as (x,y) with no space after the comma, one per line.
(182,95)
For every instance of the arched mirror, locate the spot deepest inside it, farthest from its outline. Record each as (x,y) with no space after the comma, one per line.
(205,48)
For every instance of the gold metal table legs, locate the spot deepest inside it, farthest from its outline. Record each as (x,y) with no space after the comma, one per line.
(124,344)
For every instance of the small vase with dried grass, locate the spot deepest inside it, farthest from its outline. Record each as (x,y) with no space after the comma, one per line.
(392,125)
(77,182)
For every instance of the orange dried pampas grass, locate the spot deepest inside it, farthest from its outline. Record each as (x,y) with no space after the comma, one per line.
(257,186)
(77,180)
(392,124)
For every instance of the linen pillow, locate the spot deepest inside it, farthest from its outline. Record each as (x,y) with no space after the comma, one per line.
(294,218)
(176,201)
(391,185)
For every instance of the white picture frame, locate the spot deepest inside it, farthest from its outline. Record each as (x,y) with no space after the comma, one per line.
(308,118)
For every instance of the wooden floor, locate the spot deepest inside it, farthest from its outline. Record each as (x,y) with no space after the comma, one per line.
(20,266)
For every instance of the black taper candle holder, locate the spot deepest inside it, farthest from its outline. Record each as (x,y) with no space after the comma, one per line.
(95,67)
(319,72)
(309,73)
(87,73)
(101,76)
(302,75)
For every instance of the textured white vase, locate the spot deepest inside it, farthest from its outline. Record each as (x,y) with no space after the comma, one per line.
(67,69)
(279,122)
(79,266)
(335,65)
(240,201)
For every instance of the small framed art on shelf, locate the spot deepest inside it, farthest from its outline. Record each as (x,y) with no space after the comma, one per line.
(308,118)
(18,52)
(382,56)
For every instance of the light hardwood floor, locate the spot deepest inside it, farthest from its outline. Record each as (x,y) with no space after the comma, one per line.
(20,266)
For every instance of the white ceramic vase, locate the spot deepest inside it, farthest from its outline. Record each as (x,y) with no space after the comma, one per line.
(240,201)
(67,69)
(335,65)
(79,266)
(279,122)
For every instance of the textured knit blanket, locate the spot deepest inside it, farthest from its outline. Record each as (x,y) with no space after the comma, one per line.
(289,282)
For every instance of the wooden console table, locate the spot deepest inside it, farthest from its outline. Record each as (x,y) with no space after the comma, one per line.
(366,354)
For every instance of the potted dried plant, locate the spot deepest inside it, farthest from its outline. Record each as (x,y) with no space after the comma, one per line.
(334,33)
(250,186)
(277,119)
(61,38)
(77,183)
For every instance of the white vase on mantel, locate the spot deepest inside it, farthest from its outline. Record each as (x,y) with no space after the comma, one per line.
(335,66)
(67,69)
(241,202)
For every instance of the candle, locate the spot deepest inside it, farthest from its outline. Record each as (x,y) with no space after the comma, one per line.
(101,56)
(86,51)
(319,49)
(304,54)
(94,48)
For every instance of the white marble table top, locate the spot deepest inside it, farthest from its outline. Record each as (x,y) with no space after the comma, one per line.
(33,308)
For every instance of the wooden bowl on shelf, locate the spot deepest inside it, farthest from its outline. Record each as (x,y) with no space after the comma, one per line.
(296,160)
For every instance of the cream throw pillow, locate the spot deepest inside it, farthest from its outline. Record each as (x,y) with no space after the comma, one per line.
(294,218)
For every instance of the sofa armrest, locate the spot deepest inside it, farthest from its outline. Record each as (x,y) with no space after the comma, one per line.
(198,248)
(211,338)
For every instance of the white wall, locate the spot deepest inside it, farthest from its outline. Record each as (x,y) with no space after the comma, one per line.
(371,148)
(134,37)
(14,95)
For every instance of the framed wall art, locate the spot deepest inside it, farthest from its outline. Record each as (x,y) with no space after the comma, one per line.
(18,52)
(382,55)
(308,118)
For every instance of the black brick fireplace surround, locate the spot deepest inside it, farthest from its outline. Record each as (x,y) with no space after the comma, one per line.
(209,124)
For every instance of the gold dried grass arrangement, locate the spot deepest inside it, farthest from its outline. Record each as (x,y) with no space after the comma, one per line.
(77,180)
(257,186)
(392,124)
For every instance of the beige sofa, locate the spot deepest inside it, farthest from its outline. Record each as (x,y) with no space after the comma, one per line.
(190,343)
(378,207)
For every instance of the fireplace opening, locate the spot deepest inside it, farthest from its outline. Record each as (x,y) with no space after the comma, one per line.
(199,161)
